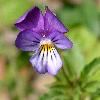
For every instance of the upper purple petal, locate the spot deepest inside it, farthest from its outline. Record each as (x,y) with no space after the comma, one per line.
(32,19)
(28,40)
(60,40)
(52,22)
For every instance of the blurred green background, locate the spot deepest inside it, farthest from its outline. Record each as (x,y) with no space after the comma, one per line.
(79,79)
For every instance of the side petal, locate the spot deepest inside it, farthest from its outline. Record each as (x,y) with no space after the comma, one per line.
(52,22)
(60,40)
(28,40)
(32,19)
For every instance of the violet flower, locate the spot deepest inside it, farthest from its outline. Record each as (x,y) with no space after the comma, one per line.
(42,34)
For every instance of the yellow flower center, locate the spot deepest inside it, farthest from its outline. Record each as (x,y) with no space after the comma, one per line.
(46,45)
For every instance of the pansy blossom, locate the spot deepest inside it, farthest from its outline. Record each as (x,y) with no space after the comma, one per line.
(42,34)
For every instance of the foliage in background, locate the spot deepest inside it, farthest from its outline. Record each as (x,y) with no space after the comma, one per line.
(18,78)
(80,77)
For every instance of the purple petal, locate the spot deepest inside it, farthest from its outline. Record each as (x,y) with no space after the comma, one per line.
(28,40)
(47,61)
(60,40)
(52,22)
(32,19)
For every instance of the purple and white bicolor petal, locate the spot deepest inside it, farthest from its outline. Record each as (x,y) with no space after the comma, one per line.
(51,22)
(47,61)
(37,63)
(33,19)
(60,40)
(28,40)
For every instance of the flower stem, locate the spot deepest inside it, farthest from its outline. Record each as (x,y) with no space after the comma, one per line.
(68,80)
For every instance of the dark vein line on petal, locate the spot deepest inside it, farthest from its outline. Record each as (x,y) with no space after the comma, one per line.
(40,51)
(52,38)
(51,58)
(55,40)
(30,45)
(42,56)
(47,51)
(37,38)
(44,49)
(30,41)
(36,41)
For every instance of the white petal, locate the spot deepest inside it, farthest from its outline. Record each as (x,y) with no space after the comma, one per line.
(54,62)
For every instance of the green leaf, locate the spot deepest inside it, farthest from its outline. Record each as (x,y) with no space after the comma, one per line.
(55,94)
(50,95)
(91,87)
(96,95)
(90,76)
(58,91)
(91,70)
